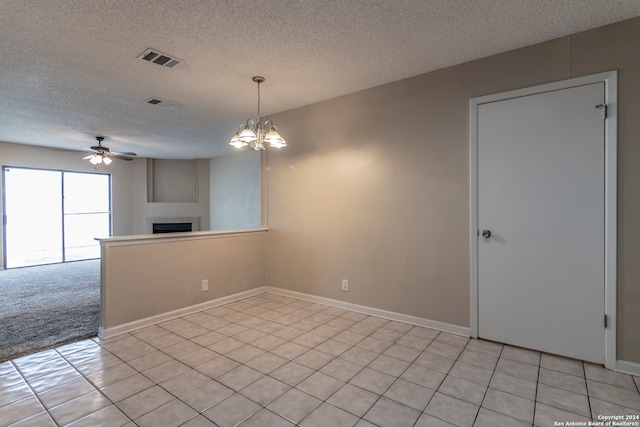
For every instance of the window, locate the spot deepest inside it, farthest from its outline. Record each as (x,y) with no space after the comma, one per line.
(54,216)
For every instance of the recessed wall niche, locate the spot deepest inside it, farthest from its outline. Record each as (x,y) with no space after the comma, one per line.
(172,181)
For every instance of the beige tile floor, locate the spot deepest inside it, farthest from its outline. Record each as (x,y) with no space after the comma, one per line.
(276,361)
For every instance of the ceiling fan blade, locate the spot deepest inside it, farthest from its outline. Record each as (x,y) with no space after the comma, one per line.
(68,150)
(123,153)
(104,152)
(117,156)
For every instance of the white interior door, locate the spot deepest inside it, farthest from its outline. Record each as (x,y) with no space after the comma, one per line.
(541,195)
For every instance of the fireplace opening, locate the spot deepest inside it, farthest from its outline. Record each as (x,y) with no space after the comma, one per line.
(169,224)
(171,227)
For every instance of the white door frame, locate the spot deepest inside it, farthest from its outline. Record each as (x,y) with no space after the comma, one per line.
(610,204)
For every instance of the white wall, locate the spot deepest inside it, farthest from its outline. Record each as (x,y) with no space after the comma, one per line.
(235,191)
(142,209)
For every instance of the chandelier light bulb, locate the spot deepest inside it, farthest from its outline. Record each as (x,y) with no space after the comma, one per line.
(235,141)
(248,135)
(274,139)
(96,160)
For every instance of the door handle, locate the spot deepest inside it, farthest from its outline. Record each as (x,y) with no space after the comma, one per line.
(486,234)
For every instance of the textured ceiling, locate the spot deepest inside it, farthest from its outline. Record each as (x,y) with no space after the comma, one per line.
(69,69)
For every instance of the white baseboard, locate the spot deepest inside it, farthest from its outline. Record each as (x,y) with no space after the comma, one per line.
(630,368)
(104,333)
(405,318)
(621,366)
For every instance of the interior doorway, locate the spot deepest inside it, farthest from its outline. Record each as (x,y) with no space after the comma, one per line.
(543,174)
(53,216)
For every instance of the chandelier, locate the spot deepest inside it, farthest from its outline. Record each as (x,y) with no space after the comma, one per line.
(256,134)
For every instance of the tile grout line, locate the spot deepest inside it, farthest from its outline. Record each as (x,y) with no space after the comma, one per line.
(586,386)
(535,397)
(174,397)
(317,370)
(493,372)
(381,395)
(96,388)
(326,400)
(534,400)
(36,395)
(199,413)
(33,392)
(130,335)
(445,377)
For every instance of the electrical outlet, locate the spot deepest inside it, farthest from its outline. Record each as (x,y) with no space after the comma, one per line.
(345,285)
(205,285)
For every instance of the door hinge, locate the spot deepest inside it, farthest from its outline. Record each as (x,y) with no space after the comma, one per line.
(603,110)
(606,321)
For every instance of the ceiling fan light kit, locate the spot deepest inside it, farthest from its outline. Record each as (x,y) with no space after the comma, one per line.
(259,132)
(101,154)
(96,159)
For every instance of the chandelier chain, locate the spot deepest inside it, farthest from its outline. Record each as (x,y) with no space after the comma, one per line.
(258,101)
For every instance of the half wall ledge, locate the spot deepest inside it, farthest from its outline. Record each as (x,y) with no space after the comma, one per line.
(142,239)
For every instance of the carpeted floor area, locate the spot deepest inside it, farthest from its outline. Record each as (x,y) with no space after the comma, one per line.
(45,306)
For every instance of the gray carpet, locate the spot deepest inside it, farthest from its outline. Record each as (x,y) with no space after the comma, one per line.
(45,306)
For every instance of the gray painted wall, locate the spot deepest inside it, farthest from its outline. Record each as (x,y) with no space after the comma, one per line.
(374,186)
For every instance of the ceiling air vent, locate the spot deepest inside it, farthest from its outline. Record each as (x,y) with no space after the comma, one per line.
(159,58)
(163,103)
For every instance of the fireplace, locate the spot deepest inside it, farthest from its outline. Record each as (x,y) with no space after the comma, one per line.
(157,225)
(171,227)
